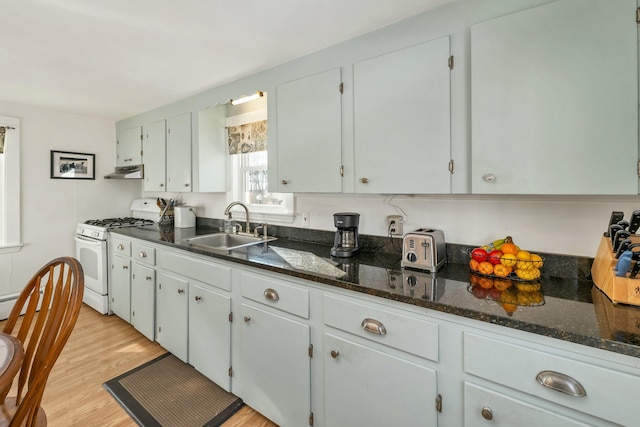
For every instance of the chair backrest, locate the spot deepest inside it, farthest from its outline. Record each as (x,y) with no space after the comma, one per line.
(51,304)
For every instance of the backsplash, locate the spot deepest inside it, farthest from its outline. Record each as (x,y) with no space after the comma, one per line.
(555,265)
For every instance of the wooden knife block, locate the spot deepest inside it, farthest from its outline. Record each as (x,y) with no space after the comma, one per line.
(618,289)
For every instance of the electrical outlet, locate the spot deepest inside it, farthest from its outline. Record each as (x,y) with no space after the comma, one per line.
(394,225)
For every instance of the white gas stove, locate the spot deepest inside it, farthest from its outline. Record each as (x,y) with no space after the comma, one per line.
(92,249)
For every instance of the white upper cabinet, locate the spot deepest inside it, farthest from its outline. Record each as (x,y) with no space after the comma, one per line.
(212,150)
(554,100)
(154,156)
(179,153)
(402,120)
(309,135)
(129,147)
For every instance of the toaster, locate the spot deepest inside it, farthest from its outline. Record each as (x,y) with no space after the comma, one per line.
(424,249)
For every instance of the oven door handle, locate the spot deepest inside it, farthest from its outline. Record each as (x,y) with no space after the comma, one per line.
(89,241)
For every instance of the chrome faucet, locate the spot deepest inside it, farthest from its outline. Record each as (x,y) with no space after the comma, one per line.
(227,212)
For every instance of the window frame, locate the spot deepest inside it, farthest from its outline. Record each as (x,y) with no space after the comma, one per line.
(284,213)
(10,235)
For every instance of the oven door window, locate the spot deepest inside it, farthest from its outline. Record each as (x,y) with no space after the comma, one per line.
(92,254)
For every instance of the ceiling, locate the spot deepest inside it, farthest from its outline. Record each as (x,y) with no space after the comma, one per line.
(113,59)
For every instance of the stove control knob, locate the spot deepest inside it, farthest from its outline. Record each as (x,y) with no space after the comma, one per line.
(412,257)
(95,234)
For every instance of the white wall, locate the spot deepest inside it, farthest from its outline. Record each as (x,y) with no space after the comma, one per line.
(52,207)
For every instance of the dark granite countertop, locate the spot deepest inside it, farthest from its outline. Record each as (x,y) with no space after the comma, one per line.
(572,310)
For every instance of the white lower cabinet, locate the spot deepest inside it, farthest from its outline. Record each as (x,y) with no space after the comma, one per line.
(210,333)
(484,407)
(302,353)
(143,283)
(171,313)
(367,387)
(120,291)
(272,370)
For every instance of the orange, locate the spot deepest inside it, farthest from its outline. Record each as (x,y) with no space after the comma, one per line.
(509,248)
(485,267)
(500,270)
(473,265)
(485,282)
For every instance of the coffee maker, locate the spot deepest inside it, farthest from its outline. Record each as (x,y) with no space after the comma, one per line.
(345,243)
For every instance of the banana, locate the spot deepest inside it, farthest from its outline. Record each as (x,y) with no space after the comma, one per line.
(507,239)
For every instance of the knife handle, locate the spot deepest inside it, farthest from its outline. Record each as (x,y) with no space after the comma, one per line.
(634,222)
(613,229)
(615,217)
(624,246)
(620,236)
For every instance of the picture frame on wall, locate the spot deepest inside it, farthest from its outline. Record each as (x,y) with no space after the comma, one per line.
(70,165)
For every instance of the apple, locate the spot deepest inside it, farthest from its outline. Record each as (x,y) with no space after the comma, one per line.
(495,256)
(479,254)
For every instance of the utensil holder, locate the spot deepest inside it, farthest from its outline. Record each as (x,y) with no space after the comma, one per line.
(618,289)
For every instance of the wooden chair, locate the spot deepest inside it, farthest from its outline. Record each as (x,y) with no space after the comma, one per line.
(57,290)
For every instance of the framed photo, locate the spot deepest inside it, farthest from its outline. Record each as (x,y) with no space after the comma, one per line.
(67,165)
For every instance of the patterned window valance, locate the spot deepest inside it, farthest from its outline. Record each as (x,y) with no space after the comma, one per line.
(248,137)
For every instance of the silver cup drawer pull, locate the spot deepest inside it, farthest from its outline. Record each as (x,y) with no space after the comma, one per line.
(271,294)
(561,382)
(374,326)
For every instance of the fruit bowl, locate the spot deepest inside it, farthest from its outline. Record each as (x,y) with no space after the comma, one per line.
(523,266)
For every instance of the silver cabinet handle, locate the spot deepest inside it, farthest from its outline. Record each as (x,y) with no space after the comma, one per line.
(198,298)
(365,180)
(374,326)
(335,354)
(186,185)
(142,254)
(487,413)
(284,182)
(149,278)
(271,294)
(561,382)
(247,319)
(125,267)
(489,177)
(181,291)
(121,247)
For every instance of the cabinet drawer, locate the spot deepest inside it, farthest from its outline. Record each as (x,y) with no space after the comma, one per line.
(143,253)
(607,391)
(383,325)
(276,293)
(204,271)
(486,407)
(120,246)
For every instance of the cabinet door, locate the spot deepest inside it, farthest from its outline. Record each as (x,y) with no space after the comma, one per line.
(554,100)
(210,333)
(274,368)
(402,120)
(365,387)
(212,149)
(143,285)
(483,407)
(154,156)
(172,305)
(129,147)
(309,132)
(121,287)
(179,153)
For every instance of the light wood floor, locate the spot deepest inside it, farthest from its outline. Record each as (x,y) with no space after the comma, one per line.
(101,348)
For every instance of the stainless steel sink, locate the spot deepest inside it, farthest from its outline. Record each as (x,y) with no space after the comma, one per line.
(226,241)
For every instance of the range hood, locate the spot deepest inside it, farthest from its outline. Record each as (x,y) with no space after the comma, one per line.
(127,172)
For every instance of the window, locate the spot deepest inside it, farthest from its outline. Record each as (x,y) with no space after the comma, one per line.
(9,184)
(247,138)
